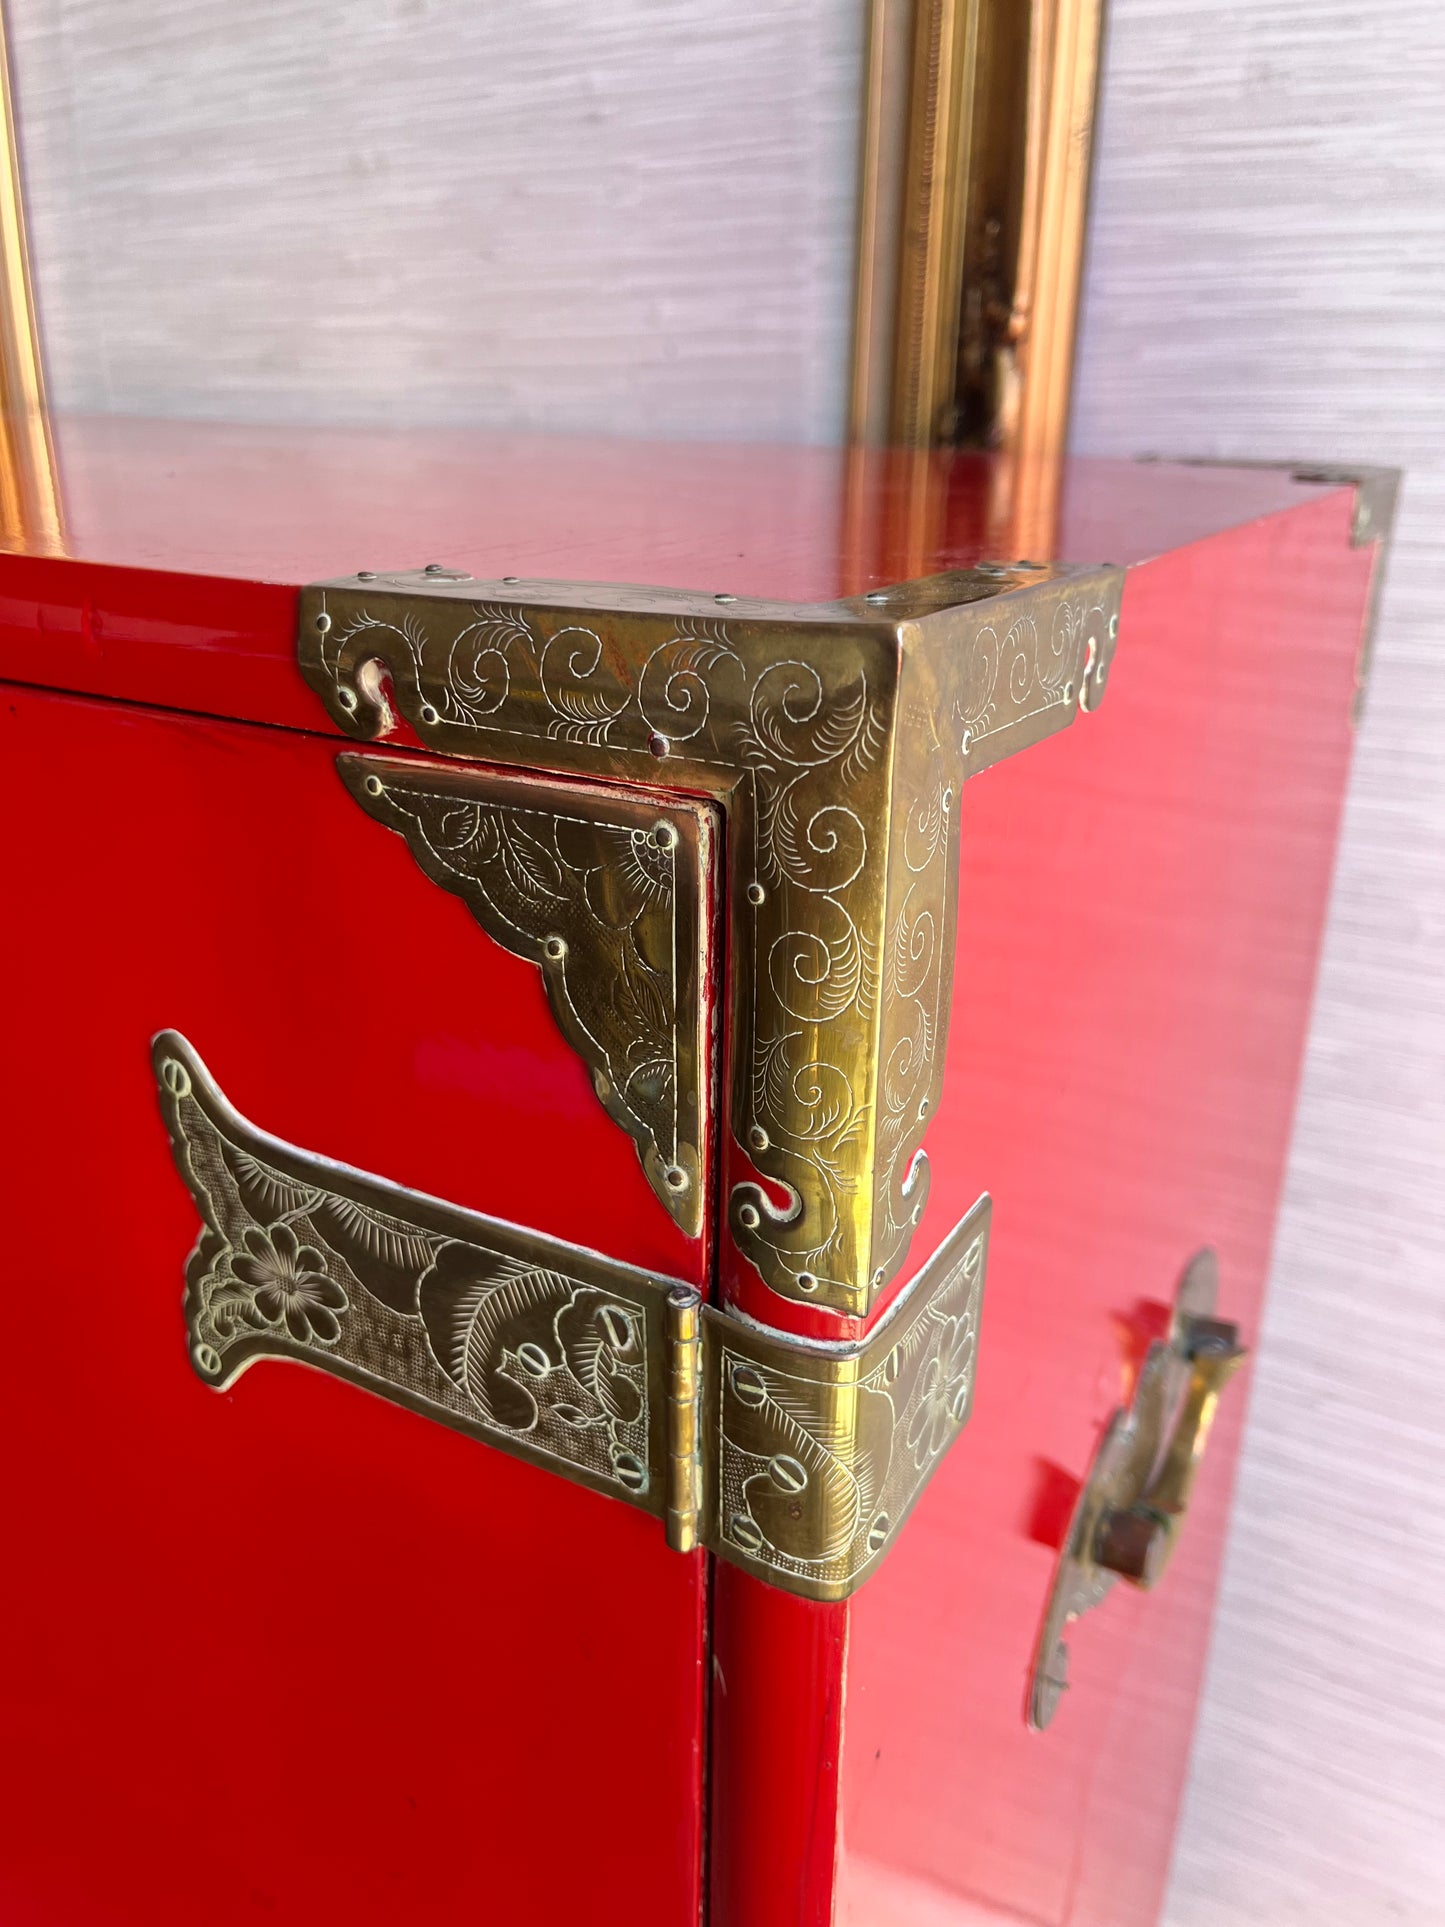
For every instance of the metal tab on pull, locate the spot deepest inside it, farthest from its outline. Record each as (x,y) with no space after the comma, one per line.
(796,1459)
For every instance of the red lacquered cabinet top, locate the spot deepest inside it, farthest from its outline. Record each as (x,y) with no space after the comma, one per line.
(289,1652)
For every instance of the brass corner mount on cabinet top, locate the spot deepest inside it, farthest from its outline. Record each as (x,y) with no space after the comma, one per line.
(836,737)
(795,1459)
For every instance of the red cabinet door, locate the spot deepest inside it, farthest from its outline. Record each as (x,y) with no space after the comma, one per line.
(288,1652)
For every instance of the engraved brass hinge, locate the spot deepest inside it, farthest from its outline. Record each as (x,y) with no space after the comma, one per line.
(796,1459)
(835,736)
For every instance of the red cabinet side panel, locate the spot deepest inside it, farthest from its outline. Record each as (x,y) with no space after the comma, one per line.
(1141,903)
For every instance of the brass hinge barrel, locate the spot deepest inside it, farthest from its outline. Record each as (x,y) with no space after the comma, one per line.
(684,1433)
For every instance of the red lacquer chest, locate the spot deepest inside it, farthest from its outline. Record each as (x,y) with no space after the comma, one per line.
(761,1099)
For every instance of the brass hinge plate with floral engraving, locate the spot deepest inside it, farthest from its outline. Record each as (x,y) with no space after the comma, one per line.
(796,1459)
(835,737)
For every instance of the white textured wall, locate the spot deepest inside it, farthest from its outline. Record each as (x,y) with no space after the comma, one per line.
(637,216)
(628,215)
(1268,278)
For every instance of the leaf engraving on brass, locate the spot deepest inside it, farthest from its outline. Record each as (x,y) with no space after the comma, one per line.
(822,1451)
(547,1352)
(610,899)
(838,737)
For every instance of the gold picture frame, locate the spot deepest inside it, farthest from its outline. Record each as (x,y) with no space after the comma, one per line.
(977,134)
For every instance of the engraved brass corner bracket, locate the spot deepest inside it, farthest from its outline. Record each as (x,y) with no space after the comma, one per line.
(836,737)
(796,1459)
(609,895)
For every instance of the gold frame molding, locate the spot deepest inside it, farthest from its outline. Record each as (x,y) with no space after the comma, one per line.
(977,133)
(795,1459)
(30,503)
(837,737)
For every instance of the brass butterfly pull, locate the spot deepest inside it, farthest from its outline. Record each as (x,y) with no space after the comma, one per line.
(1131,1511)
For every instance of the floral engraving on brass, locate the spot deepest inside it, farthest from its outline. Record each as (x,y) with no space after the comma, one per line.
(820,1451)
(609,897)
(837,736)
(551,1353)
(1129,1514)
(798,1459)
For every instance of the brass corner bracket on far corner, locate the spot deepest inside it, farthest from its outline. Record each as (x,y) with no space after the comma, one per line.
(836,737)
(795,1459)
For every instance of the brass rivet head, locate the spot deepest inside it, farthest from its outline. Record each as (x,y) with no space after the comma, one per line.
(1113,626)
(208,1360)
(374,786)
(724,598)
(554,947)
(675,1178)
(176,1077)
(366,575)
(923,1107)
(323,622)
(346,697)
(533,1359)
(748,1217)
(664,835)
(658,743)
(787,1473)
(758,1139)
(964,741)
(749,1387)
(429,714)
(806,1281)
(630,1471)
(745,1531)
(756,893)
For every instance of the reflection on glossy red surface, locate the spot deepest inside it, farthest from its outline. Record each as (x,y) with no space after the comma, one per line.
(289,1652)
(235,518)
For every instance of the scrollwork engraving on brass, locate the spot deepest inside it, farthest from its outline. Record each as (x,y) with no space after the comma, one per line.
(795,1458)
(837,736)
(610,896)
(819,1452)
(551,1353)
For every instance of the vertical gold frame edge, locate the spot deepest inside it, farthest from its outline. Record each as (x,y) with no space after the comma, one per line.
(984,140)
(31,510)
